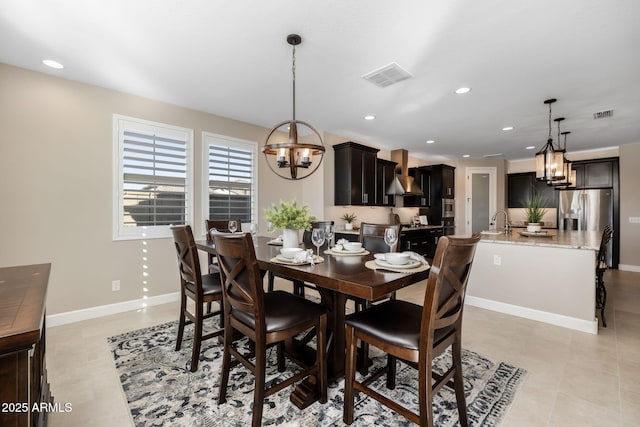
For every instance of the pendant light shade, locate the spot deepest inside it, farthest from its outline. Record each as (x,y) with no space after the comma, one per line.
(293,148)
(549,160)
(569,180)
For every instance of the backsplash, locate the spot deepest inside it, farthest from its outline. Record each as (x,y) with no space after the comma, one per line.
(517,217)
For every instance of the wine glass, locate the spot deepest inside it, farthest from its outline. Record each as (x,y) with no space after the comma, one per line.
(270,227)
(317,238)
(328,233)
(233,226)
(390,237)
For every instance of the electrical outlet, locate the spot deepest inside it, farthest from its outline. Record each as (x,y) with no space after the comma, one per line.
(634,219)
(497,259)
(115,285)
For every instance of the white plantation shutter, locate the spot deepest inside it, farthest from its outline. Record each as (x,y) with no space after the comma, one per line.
(154,174)
(231,169)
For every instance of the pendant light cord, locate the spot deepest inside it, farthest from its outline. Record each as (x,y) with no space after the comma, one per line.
(293,73)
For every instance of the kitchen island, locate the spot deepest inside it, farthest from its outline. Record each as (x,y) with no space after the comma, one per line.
(549,279)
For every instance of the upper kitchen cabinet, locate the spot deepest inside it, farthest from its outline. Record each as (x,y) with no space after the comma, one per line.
(522,186)
(599,173)
(385,171)
(442,182)
(422,176)
(355,174)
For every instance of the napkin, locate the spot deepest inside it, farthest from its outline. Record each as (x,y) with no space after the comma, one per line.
(304,256)
(276,241)
(416,257)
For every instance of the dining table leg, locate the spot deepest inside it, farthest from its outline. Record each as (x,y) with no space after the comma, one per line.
(306,392)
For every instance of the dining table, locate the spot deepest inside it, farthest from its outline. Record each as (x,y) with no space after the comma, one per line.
(336,278)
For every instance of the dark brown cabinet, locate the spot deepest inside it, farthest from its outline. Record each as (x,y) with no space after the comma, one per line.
(522,186)
(355,174)
(23,373)
(420,240)
(594,173)
(385,171)
(422,175)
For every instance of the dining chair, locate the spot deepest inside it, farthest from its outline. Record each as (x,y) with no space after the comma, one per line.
(266,319)
(221,226)
(417,335)
(202,289)
(299,286)
(372,239)
(601,267)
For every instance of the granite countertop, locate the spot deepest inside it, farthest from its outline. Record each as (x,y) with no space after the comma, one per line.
(558,239)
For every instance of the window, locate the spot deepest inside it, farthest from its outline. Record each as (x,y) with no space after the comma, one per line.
(152,178)
(231,185)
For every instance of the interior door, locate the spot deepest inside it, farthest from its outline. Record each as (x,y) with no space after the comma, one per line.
(481,188)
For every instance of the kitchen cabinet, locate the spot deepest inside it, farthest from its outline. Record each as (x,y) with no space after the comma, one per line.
(385,171)
(422,175)
(522,186)
(355,174)
(422,240)
(595,173)
(442,182)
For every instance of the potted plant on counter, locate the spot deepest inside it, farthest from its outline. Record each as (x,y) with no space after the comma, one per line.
(349,218)
(290,218)
(535,211)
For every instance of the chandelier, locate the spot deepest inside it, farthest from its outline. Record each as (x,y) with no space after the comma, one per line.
(293,149)
(549,160)
(569,180)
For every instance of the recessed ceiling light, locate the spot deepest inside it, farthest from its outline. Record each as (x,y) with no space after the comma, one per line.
(466,155)
(369,117)
(463,90)
(507,128)
(53,64)
(430,141)
(531,147)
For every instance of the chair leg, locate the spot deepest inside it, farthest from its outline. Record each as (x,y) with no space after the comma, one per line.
(258,392)
(391,372)
(349,375)
(458,381)
(183,308)
(280,357)
(425,393)
(226,365)
(197,338)
(321,355)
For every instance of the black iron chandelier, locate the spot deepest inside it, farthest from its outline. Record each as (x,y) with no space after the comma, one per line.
(549,160)
(293,149)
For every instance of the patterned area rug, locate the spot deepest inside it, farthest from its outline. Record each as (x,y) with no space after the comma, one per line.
(162,392)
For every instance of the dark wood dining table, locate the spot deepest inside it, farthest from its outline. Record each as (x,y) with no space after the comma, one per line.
(336,278)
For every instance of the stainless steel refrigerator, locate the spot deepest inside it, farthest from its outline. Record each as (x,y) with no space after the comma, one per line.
(588,210)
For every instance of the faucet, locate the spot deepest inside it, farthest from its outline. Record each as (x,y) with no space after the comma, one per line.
(507,227)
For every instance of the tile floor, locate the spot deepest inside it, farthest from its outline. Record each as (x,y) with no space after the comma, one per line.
(574,378)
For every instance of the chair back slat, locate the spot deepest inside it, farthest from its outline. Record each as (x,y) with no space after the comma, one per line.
(446,285)
(187,252)
(372,237)
(240,273)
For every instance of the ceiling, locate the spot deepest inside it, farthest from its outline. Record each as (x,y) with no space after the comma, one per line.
(232,59)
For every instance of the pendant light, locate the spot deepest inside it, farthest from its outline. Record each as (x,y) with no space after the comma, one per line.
(570,174)
(559,175)
(293,146)
(548,160)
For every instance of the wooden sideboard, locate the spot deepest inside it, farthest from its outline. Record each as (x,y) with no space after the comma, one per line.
(23,374)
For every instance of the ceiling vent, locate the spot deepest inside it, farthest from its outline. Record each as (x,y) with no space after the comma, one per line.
(603,114)
(488,156)
(387,75)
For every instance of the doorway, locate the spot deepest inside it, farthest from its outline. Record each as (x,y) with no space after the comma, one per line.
(481,188)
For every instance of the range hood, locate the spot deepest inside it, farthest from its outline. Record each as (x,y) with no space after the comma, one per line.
(403,184)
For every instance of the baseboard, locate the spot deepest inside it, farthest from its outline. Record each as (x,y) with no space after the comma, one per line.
(627,267)
(532,314)
(106,310)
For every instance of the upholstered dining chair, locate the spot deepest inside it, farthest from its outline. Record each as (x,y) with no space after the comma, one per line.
(372,239)
(266,319)
(601,267)
(417,334)
(202,289)
(298,286)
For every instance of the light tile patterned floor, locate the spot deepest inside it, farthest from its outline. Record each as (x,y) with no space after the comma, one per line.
(574,378)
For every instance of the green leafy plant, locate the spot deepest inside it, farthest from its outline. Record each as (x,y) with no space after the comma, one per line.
(289,215)
(535,209)
(349,217)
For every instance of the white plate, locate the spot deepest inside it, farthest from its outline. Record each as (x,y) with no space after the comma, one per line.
(383,263)
(344,251)
(291,260)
